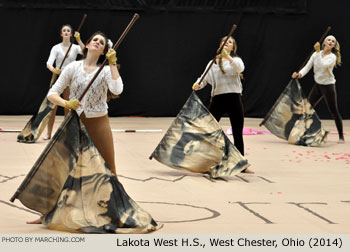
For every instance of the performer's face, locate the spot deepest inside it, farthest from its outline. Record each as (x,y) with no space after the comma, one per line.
(66,31)
(329,42)
(229,45)
(98,44)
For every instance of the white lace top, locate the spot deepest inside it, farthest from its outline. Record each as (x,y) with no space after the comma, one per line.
(224,83)
(94,102)
(57,54)
(323,68)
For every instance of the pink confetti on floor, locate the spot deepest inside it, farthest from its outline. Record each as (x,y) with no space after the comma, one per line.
(321,157)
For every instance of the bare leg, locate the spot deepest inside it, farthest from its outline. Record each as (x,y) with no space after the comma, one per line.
(50,124)
(100,132)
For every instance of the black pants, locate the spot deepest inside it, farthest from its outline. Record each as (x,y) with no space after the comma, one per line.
(231,104)
(329,93)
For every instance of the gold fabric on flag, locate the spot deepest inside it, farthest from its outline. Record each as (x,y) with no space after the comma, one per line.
(292,118)
(73,188)
(196,142)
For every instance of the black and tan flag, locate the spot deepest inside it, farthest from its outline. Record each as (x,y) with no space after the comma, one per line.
(75,191)
(196,142)
(293,118)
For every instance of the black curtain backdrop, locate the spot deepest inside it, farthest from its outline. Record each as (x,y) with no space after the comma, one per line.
(169,47)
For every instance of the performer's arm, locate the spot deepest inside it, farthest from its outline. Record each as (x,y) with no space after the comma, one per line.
(306,68)
(62,82)
(204,82)
(57,100)
(77,38)
(308,65)
(114,81)
(236,63)
(51,60)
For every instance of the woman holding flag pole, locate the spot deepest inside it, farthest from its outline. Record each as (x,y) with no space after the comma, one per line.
(225,78)
(323,61)
(57,54)
(93,107)
(77,167)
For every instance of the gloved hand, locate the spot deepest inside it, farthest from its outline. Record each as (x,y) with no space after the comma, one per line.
(72,104)
(195,86)
(77,36)
(56,71)
(223,53)
(317,47)
(112,57)
(296,75)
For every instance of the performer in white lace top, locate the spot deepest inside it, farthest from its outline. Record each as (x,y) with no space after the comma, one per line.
(93,107)
(225,78)
(323,61)
(56,57)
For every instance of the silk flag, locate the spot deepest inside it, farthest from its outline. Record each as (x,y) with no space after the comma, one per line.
(293,118)
(74,190)
(196,142)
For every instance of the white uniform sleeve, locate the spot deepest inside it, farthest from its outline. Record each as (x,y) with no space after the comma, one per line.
(207,79)
(115,86)
(63,80)
(237,65)
(308,65)
(52,56)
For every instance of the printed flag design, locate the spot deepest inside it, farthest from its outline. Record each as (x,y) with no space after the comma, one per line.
(75,191)
(196,142)
(292,118)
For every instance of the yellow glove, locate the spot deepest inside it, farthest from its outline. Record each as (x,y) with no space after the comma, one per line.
(317,47)
(72,104)
(77,36)
(56,71)
(223,53)
(112,57)
(194,86)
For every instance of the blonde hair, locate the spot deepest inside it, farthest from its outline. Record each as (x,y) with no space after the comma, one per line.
(232,54)
(335,50)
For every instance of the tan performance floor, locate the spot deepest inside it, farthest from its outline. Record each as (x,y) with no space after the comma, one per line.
(295,189)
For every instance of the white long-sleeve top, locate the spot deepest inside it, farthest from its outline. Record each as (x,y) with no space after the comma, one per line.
(323,68)
(94,102)
(57,54)
(230,82)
